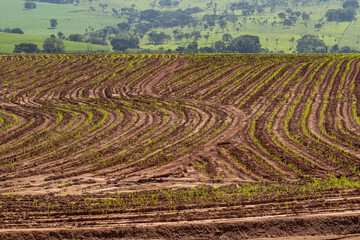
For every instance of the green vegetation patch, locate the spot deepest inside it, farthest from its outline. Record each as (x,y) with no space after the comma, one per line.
(9,40)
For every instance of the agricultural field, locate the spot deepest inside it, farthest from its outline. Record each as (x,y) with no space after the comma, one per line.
(179,146)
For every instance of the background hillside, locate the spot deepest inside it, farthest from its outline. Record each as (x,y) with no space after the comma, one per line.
(182,22)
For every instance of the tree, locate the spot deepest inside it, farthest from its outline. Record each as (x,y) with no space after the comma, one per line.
(206,50)
(297,13)
(219,46)
(180,49)
(210,20)
(187,36)
(246,44)
(53,45)
(53,23)
(293,19)
(345,49)
(168,3)
(206,36)
(341,15)
(26,48)
(116,12)
(124,42)
(76,37)
(150,15)
(157,38)
(227,38)
(61,35)
(260,9)
(97,41)
(196,35)
(318,25)
(288,22)
(124,26)
(292,40)
(311,44)
(17,30)
(222,24)
(282,16)
(193,47)
(305,16)
(351,4)
(179,37)
(142,28)
(103,6)
(334,49)
(29,5)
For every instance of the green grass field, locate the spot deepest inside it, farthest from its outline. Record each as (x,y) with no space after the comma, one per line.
(37,21)
(79,19)
(8,41)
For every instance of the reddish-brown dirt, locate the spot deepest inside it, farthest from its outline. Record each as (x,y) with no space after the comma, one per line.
(179,146)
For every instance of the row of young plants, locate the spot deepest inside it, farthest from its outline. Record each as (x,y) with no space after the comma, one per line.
(30,144)
(88,97)
(272,196)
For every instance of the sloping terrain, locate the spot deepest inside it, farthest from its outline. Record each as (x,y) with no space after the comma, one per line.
(179,146)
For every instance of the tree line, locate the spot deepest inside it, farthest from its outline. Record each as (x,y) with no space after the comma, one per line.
(50,45)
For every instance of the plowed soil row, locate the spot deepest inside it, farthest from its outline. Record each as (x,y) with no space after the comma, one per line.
(179,146)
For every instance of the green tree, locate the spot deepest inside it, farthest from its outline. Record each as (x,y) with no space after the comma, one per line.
(124,42)
(282,16)
(246,44)
(292,40)
(157,38)
(26,48)
(17,30)
(206,36)
(310,44)
(345,49)
(193,47)
(219,46)
(97,41)
(351,4)
(288,22)
(150,15)
(341,15)
(76,37)
(334,48)
(29,5)
(196,35)
(168,3)
(222,24)
(305,16)
(53,45)
(61,35)
(227,38)
(124,26)
(318,25)
(297,13)
(53,23)
(210,20)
